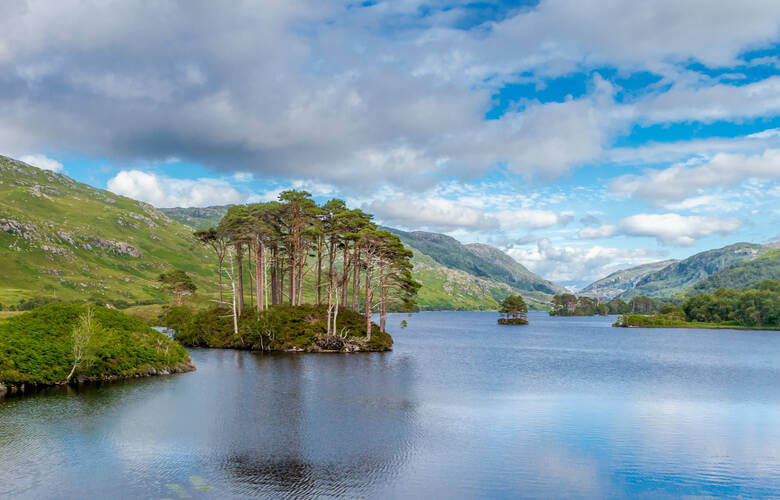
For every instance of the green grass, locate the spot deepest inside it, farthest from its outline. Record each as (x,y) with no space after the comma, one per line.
(281,328)
(36,347)
(662,321)
(48,242)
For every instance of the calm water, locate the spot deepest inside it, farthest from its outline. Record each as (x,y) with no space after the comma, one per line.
(463,408)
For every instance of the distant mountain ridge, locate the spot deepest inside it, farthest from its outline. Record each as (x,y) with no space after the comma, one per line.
(742,274)
(683,275)
(622,281)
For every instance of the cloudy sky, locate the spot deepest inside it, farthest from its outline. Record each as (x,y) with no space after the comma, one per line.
(581,136)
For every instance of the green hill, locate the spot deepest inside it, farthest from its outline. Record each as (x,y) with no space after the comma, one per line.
(621,281)
(680,276)
(66,240)
(197,217)
(742,274)
(481,261)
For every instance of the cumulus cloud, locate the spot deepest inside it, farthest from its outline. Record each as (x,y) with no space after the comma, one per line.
(441,214)
(680,181)
(163,191)
(578,266)
(675,229)
(42,161)
(279,88)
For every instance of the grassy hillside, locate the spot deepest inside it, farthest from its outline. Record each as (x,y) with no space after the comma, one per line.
(742,274)
(67,240)
(621,281)
(445,288)
(481,261)
(682,275)
(36,348)
(197,217)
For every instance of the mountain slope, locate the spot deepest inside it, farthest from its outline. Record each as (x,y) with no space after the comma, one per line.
(682,275)
(482,261)
(197,217)
(621,281)
(446,288)
(60,238)
(742,274)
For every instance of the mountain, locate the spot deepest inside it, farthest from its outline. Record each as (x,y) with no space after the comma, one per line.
(197,217)
(621,281)
(482,261)
(742,274)
(447,288)
(60,238)
(680,276)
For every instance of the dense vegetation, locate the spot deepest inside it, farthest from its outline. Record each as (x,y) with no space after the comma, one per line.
(278,328)
(514,311)
(295,250)
(37,347)
(742,274)
(758,306)
(568,304)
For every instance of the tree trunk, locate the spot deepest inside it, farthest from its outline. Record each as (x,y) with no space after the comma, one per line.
(178,298)
(259,273)
(345,277)
(240,277)
(219,266)
(355,278)
(368,300)
(319,270)
(382,300)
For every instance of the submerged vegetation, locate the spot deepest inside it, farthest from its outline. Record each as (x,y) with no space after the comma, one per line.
(58,343)
(756,307)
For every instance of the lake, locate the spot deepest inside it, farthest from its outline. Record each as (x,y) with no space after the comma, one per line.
(462,408)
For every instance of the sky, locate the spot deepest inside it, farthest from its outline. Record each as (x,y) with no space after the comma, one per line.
(579,136)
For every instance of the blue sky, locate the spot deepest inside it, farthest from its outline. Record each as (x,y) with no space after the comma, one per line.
(580,136)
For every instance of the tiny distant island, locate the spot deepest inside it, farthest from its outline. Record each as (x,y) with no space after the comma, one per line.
(514,311)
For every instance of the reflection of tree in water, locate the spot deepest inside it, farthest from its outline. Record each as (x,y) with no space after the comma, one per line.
(337,424)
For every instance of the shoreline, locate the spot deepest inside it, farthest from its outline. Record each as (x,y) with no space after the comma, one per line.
(7,389)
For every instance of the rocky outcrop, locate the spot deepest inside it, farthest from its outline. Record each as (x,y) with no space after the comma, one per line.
(116,247)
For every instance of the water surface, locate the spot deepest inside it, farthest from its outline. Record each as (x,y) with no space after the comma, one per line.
(462,408)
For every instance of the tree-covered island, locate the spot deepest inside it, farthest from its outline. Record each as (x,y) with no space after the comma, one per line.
(514,311)
(314,274)
(59,344)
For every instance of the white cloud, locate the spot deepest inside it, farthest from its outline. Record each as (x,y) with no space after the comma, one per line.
(680,181)
(42,161)
(578,266)
(442,214)
(163,191)
(675,229)
(431,213)
(604,231)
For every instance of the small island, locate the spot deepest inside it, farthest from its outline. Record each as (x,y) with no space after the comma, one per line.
(60,344)
(514,311)
(316,274)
